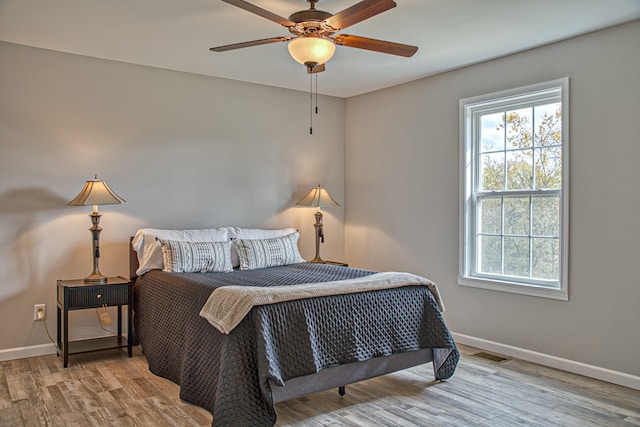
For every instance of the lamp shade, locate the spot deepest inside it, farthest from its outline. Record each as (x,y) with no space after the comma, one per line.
(96,193)
(318,197)
(314,50)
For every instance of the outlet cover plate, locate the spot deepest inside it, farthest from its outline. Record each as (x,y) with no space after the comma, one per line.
(37,307)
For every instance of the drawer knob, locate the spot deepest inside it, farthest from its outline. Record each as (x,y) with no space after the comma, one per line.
(99,296)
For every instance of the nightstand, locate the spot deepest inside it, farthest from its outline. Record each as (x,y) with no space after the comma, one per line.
(341,264)
(77,295)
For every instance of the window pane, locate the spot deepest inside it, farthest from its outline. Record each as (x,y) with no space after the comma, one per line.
(548,167)
(516,215)
(492,132)
(491,172)
(546,259)
(516,256)
(490,215)
(519,170)
(519,128)
(548,125)
(490,254)
(546,216)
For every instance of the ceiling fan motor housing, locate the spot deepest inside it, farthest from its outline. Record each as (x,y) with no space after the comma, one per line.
(311,22)
(309,15)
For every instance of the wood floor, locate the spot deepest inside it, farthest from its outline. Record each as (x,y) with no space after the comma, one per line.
(110,389)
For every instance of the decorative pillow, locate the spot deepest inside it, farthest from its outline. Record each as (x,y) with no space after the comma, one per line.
(148,249)
(252,234)
(263,253)
(196,257)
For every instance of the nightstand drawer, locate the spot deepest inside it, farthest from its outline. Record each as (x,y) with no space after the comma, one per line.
(77,295)
(96,296)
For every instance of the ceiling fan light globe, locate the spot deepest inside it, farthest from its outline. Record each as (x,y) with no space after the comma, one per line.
(311,49)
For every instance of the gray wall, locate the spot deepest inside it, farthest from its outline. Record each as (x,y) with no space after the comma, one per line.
(185,151)
(402,181)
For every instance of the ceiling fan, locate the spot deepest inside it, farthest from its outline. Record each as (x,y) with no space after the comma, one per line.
(313,41)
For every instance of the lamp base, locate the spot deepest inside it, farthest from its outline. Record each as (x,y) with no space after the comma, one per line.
(95,278)
(318,260)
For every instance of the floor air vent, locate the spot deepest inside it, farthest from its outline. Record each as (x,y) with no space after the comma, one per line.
(490,356)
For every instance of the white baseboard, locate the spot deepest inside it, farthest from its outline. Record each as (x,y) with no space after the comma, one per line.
(591,371)
(24,352)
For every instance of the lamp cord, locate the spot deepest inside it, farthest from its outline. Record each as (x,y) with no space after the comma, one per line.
(46,328)
(44,320)
(100,323)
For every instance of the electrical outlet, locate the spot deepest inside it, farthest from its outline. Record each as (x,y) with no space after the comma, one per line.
(39,308)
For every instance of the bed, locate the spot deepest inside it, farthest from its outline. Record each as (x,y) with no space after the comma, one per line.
(285,349)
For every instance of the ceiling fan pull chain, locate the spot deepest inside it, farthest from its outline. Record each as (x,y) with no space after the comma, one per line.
(316,93)
(310,104)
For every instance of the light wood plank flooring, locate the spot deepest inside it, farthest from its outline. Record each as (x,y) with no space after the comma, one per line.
(110,389)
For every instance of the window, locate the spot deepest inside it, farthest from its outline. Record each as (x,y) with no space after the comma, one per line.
(514,208)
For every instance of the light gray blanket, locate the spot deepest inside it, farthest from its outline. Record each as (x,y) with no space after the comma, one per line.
(228,305)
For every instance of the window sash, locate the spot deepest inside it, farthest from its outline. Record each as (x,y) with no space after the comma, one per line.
(476,270)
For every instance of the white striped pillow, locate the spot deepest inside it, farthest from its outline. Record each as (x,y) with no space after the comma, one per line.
(263,253)
(196,257)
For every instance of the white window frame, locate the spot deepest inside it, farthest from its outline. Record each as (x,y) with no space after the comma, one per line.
(470,111)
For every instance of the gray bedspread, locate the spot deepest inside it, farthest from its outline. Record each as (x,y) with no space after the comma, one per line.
(228,374)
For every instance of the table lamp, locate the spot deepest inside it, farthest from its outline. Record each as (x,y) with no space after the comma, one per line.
(318,198)
(96,193)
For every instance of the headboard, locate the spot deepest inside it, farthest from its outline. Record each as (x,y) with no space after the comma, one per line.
(133,261)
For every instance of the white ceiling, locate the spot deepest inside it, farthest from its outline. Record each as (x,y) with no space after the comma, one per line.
(177,35)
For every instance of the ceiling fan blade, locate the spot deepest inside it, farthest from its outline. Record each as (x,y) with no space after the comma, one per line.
(359,12)
(251,43)
(317,69)
(261,12)
(375,45)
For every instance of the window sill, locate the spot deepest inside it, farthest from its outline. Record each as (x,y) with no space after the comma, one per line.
(514,288)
